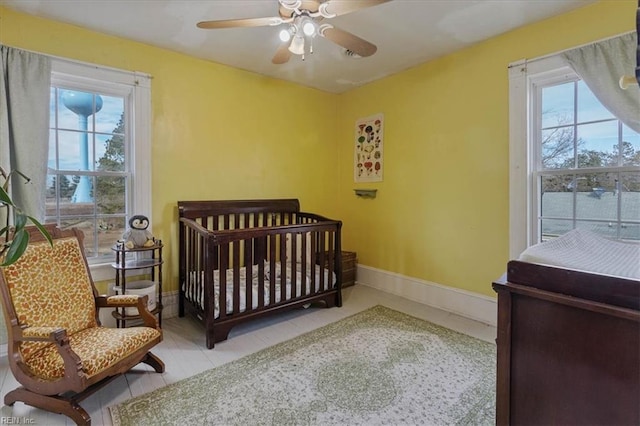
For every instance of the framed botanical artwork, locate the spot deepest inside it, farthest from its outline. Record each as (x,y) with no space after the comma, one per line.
(368,159)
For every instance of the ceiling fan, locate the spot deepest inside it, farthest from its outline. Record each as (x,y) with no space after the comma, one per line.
(304,21)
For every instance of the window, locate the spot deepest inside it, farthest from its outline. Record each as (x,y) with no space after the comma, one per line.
(580,165)
(98,171)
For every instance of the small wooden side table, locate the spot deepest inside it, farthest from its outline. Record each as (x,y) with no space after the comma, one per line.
(349,263)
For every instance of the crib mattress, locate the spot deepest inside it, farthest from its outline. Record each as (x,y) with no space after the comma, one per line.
(255,285)
(586,251)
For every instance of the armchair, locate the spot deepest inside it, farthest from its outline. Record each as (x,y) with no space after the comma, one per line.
(57,349)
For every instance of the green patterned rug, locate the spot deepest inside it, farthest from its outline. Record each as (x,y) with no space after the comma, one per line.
(379,366)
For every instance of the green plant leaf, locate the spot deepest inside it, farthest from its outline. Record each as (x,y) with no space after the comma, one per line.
(18,246)
(20,221)
(42,229)
(4,197)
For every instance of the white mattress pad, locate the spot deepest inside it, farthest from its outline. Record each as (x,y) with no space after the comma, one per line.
(587,251)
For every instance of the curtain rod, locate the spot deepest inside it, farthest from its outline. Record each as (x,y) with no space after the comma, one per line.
(86,64)
(521,62)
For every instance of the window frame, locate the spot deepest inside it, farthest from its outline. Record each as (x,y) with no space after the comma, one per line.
(137,86)
(526,80)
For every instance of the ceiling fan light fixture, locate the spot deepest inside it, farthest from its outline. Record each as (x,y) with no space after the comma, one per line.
(285,35)
(308,27)
(297,45)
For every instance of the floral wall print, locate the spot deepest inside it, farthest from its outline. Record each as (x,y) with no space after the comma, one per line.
(368,158)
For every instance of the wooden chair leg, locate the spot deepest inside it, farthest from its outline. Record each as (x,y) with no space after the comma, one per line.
(54,404)
(153,361)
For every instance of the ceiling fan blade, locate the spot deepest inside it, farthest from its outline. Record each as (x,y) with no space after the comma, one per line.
(342,7)
(235,23)
(348,41)
(282,54)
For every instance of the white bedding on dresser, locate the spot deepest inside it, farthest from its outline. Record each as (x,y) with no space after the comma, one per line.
(255,285)
(586,251)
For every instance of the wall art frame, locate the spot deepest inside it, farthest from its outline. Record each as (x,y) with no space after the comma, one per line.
(368,158)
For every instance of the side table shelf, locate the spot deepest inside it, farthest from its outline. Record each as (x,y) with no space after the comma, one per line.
(133,259)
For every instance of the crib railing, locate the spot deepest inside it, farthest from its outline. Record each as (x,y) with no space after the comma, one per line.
(241,264)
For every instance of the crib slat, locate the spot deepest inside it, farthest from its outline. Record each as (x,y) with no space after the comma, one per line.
(222,279)
(236,277)
(320,254)
(249,237)
(272,268)
(248,250)
(312,273)
(293,237)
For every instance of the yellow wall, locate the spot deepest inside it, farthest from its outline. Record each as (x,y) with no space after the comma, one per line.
(441,213)
(217,132)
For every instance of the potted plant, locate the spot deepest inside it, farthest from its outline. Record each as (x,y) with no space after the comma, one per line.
(13,237)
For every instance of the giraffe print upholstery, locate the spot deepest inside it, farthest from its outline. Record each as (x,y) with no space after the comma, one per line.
(51,289)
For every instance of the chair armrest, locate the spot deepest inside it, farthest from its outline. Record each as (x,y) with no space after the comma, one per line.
(118,301)
(58,336)
(130,300)
(41,334)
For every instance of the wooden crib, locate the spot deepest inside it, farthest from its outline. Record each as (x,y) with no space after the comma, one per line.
(240,260)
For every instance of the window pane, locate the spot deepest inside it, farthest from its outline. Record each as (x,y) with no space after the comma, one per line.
(63,186)
(52,160)
(75,150)
(596,198)
(606,229)
(82,106)
(557,105)
(589,107)
(110,153)
(630,231)
(630,147)
(557,196)
(110,195)
(630,196)
(598,144)
(110,118)
(109,231)
(557,148)
(552,228)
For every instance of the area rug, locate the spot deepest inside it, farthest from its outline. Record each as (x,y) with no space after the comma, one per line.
(377,367)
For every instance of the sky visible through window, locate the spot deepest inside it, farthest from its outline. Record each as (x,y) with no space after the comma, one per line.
(558,108)
(579,133)
(103,123)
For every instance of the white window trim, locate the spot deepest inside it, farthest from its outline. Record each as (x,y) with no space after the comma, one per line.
(524,77)
(140,83)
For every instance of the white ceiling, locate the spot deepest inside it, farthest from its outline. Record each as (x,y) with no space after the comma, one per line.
(407,32)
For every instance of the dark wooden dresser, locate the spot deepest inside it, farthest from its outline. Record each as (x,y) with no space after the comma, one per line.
(568,347)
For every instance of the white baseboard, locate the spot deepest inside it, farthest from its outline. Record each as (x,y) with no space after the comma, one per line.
(460,302)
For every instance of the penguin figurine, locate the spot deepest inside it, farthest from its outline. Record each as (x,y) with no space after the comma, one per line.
(138,236)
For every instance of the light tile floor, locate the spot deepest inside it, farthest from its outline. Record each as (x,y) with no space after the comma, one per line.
(184,353)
